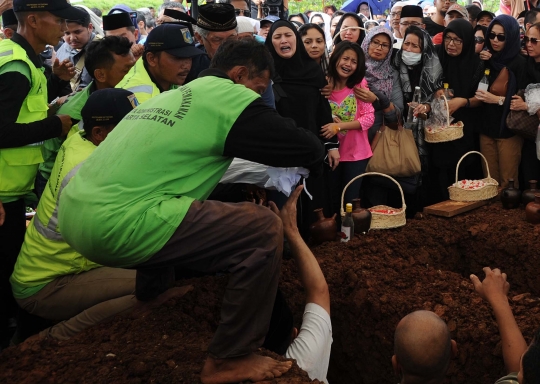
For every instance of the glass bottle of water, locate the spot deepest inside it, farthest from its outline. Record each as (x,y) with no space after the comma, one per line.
(484,83)
(415,101)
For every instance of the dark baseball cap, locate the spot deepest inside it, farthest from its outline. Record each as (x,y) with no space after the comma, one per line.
(107,106)
(485,13)
(175,39)
(59,8)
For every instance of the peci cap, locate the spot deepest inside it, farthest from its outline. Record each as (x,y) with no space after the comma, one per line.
(117,21)
(459,9)
(59,8)
(175,39)
(412,11)
(485,13)
(216,17)
(269,20)
(8,18)
(107,106)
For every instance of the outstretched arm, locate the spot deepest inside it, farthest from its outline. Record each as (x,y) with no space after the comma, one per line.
(494,289)
(311,275)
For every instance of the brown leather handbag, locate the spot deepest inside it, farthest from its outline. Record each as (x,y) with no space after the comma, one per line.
(523,124)
(500,85)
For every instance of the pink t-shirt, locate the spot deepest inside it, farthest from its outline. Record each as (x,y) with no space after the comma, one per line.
(353,144)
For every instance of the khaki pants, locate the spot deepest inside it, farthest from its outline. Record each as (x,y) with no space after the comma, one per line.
(83,300)
(503,157)
(243,240)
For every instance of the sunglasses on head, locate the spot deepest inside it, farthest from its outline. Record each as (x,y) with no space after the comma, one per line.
(479,40)
(532,40)
(499,37)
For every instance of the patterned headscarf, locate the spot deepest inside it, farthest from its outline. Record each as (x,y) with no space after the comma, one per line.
(379,72)
(431,75)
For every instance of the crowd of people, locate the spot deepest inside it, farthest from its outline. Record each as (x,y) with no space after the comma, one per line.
(118,128)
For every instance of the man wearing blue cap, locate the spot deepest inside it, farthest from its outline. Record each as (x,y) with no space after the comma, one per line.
(165,63)
(24,123)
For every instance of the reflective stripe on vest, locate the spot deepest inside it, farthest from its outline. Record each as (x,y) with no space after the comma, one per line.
(141,88)
(49,231)
(6,53)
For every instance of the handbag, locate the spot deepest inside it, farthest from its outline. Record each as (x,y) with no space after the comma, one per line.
(395,154)
(521,123)
(500,85)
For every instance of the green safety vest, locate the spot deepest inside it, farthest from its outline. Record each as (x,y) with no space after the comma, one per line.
(131,195)
(139,82)
(18,166)
(72,107)
(44,254)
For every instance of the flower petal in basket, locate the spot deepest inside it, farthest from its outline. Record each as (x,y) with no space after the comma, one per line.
(445,133)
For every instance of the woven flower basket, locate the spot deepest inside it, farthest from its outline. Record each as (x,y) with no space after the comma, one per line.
(489,190)
(380,220)
(442,134)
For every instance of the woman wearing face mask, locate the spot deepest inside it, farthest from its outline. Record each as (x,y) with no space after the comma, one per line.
(315,44)
(351,28)
(480,35)
(297,87)
(462,70)
(530,165)
(418,66)
(498,144)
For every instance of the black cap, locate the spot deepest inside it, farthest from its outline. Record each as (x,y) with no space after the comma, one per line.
(107,106)
(179,15)
(8,18)
(59,8)
(216,17)
(485,13)
(412,11)
(117,21)
(175,39)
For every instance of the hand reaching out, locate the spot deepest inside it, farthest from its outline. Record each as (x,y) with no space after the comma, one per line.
(494,287)
(64,70)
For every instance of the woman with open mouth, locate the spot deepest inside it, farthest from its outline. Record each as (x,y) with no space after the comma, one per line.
(500,146)
(297,86)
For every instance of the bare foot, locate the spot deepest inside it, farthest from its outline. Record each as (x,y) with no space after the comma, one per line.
(143,308)
(251,367)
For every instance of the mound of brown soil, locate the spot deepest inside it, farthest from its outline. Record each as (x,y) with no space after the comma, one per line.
(374,281)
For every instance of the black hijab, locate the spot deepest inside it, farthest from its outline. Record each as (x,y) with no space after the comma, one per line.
(337,37)
(462,72)
(300,68)
(533,70)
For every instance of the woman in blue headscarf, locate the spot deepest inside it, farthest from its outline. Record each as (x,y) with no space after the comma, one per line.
(498,144)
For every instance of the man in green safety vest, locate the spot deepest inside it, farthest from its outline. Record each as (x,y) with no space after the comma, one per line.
(51,279)
(140,200)
(165,63)
(107,61)
(24,123)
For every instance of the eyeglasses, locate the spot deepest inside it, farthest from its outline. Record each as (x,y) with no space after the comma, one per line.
(409,23)
(457,42)
(394,14)
(242,12)
(532,40)
(320,25)
(499,37)
(384,47)
(479,40)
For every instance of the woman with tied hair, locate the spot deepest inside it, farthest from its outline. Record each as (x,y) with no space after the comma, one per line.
(498,144)
(418,65)
(351,28)
(296,86)
(462,70)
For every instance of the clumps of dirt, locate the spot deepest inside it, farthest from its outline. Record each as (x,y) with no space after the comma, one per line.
(374,281)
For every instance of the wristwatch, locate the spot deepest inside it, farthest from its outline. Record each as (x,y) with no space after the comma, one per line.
(501,100)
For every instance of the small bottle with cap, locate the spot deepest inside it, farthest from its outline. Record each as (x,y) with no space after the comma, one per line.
(347,225)
(484,83)
(447,92)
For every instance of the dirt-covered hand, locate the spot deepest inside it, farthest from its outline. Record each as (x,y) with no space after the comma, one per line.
(288,212)
(494,287)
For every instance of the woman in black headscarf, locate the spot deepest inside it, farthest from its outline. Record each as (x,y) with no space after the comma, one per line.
(480,36)
(350,27)
(297,93)
(462,70)
(498,144)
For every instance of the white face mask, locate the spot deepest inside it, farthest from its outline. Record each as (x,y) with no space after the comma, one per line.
(411,58)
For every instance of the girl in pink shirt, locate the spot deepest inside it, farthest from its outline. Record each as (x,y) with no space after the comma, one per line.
(352,117)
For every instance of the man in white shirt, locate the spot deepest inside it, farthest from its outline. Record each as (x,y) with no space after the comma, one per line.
(311,346)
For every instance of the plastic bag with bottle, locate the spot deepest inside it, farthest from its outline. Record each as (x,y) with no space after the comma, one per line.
(438,118)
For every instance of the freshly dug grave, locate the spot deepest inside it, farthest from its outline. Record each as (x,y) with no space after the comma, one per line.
(374,281)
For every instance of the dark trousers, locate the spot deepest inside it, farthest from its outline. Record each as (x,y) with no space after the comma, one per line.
(244,240)
(11,239)
(530,165)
